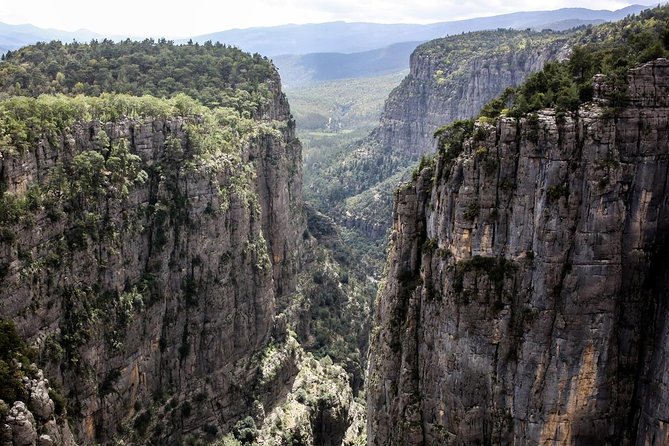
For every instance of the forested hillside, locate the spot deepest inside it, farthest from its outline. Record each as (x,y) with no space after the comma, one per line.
(449,79)
(214,74)
(163,282)
(152,230)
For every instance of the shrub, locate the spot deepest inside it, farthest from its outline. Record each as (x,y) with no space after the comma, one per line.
(245,430)
(472,211)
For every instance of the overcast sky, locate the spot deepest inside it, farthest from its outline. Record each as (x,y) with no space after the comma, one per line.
(170,18)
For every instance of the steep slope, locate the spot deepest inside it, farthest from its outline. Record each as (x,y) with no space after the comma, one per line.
(178,267)
(525,297)
(453,78)
(146,245)
(449,79)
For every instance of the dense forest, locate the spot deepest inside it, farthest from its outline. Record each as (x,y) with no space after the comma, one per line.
(214,74)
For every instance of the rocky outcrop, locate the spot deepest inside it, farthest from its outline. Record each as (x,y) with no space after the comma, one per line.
(525,300)
(148,308)
(449,79)
(38,423)
(443,87)
(318,408)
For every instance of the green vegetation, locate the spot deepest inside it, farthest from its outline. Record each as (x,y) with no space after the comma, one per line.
(108,170)
(332,118)
(13,351)
(451,54)
(245,431)
(90,187)
(495,268)
(214,74)
(472,211)
(555,192)
(334,305)
(356,182)
(451,138)
(349,103)
(24,121)
(610,49)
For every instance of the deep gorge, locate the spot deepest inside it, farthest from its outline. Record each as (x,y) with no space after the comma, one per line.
(163,281)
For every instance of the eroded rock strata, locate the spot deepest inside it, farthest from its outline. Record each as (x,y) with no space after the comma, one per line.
(147,307)
(525,300)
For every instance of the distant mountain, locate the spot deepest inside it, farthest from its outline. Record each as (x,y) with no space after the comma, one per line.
(563,25)
(342,37)
(300,70)
(16,36)
(310,53)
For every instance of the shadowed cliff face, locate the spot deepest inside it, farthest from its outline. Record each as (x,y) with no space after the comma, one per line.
(525,301)
(147,309)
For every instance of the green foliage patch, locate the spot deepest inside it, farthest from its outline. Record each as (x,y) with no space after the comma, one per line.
(214,74)
(610,49)
(13,351)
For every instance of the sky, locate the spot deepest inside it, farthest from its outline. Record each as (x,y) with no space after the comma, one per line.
(185,18)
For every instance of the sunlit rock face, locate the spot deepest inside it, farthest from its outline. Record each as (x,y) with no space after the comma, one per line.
(148,309)
(525,300)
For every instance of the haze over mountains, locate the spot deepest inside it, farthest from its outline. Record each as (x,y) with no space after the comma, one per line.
(346,37)
(336,50)
(16,36)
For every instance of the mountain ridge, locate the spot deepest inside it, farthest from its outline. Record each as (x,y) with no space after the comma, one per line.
(335,36)
(327,37)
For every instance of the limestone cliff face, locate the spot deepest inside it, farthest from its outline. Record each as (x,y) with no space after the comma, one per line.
(449,79)
(148,309)
(279,186)
(526,295)
(439,91)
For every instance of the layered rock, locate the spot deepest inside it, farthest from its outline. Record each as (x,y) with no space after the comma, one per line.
(443,86)
(147,309)
(525,301)
(449,79)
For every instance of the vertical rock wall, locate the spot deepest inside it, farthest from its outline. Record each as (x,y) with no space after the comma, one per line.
(525,301)
(437,92)
(148,310)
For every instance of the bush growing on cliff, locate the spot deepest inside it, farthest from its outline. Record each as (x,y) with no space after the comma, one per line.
(610,49)
(451,138)
(245,430)
(13,351)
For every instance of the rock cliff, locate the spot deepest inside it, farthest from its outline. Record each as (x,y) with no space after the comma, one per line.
(449,79)
(525,300)
(147,299)
(444,85)
(40,422)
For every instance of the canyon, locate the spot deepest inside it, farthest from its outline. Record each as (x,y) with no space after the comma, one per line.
(163,281)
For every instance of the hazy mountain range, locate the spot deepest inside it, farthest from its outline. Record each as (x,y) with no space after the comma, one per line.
(310,53)
(342,37)
(16,36)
